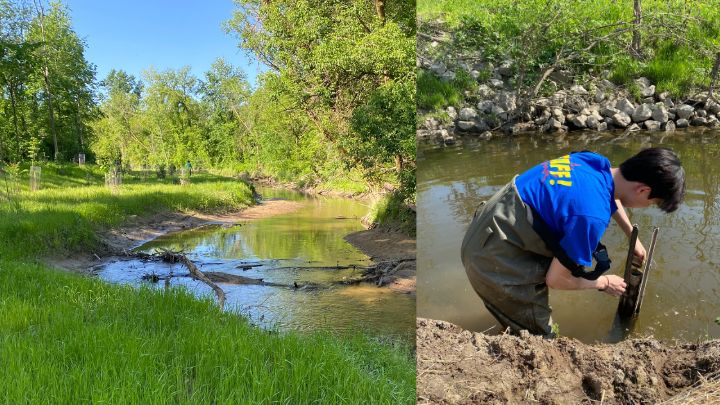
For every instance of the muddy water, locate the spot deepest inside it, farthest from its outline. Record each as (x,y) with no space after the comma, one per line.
(683,294)
(284,249)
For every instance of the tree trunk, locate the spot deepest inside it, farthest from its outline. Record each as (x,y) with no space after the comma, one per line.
(399,163)
(380,10)
(46,78)
(15,120)
(635,47)
(78,126)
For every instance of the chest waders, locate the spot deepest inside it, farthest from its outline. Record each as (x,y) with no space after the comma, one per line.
(506,262)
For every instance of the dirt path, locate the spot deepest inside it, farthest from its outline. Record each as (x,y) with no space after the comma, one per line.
(456,366)
(384,246)
(140,229)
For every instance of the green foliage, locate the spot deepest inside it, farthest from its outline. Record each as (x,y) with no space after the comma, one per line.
(73,203)
(587,37)
(393,212)
(434,94)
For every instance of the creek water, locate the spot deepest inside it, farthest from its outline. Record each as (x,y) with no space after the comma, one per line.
(682,298)
(284,249)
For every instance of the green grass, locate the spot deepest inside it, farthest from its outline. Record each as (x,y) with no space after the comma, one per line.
(65,215)
(677,53)
(71,339)
(66,338)
(391,212)
(434,94)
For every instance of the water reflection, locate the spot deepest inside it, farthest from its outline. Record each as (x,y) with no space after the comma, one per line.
(682,295)
(285,249)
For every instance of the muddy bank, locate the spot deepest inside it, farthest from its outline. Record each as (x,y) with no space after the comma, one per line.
(139,229)
(393,249)
(456,366)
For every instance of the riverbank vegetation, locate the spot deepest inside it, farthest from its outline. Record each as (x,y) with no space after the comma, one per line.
(672,43)
(122,344)
(334,111)
(68,338)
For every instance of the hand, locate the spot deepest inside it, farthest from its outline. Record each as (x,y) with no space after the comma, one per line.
(614,285)
(639,253)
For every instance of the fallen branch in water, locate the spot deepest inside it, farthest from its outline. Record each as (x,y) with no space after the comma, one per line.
(175,257)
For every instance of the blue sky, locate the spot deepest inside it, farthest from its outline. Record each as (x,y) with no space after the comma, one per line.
(133,35)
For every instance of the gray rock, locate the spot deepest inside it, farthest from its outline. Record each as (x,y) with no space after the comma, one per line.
(653,125)
(481,125)
(447,76)
(641,113)
(475,74)
(497,110)
(599,96)
(663,96)
(669,103)
(609,111)
(450,140)
(452,113)
(713,122)
(684,111)
(606,85)
(496,83)
(669,126)
(522,127)
(698,121)
(625,106)
(580,121)
(486,135)
(505,69)
(634,127)
(700,113)
(558,115)
(648,100)
(467,114)
(506,101)
(712,107)
(553,125)
(682,123)
(659,113)
(465,125)
(577,89)
(592,122)
(431,123)
(603,126)
(485,106)
(646,89)
(671,116)
(575,103)
(438,67)
(484,91)
(543,103)
(621,119)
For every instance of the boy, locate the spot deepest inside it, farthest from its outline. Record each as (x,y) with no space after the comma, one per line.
(543,229)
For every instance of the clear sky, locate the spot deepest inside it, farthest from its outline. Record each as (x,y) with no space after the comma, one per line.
(133,35)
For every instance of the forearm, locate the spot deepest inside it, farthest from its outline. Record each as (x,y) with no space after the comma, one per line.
(621,218)
(559,277)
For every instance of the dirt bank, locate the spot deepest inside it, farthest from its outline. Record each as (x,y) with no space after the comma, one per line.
(384,246)
(456,366)
(140,229)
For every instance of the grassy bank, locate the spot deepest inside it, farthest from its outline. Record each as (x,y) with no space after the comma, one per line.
(676,48)
(66,338)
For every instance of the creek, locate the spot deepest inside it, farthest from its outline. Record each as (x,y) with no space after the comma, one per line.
(303,248)
(681,299)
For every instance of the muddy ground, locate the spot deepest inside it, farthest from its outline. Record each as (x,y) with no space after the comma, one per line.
(456,366)
(390,247)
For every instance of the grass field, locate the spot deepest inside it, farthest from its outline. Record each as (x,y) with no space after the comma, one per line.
(66,338)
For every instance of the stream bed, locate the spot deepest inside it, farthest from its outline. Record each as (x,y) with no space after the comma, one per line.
(299,248)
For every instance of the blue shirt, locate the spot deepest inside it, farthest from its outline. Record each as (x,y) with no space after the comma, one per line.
(574,196)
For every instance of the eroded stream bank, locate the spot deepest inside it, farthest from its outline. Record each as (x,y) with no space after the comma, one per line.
(457,366)
(292,245)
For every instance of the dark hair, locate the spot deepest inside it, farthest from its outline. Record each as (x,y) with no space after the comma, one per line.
(662,171)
